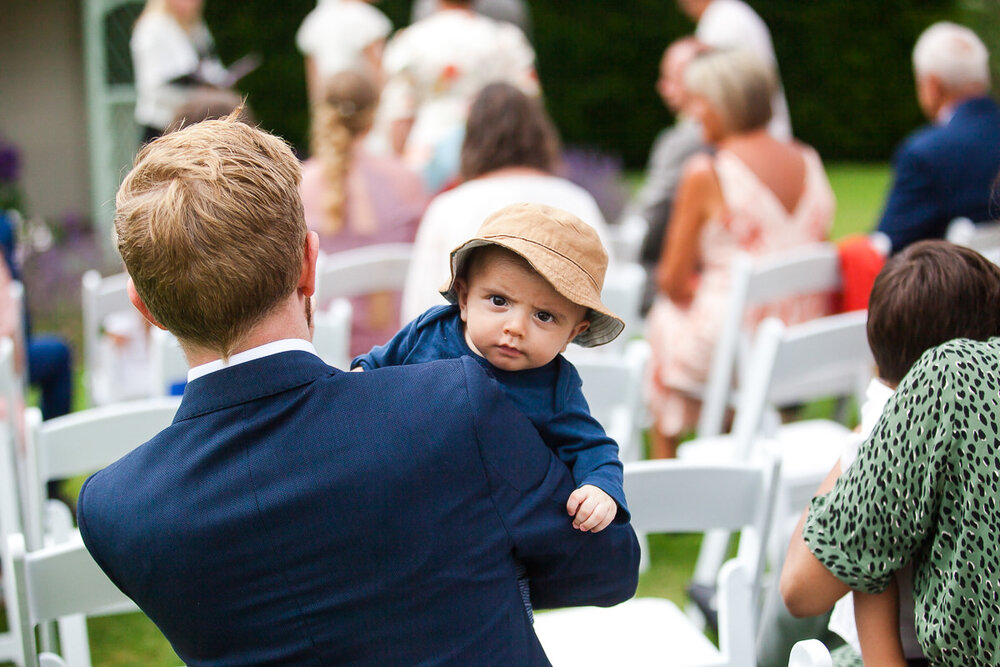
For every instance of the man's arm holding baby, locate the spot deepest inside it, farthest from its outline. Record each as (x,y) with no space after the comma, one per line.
(528,484)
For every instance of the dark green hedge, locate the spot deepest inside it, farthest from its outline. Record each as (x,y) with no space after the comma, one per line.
(845,65)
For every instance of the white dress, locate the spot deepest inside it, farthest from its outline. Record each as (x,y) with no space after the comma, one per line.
(163,51)
(454,216)
(734,24)
(336,33)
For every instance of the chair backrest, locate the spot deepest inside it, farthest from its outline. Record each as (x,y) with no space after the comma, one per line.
(622,293)
(374,268)
(828,356)
(168,365)
(755,282)
(84,442)
(625,238)
(612,385)
(53,583)
(810,653)
(676,496)
(983,237)
(101,297)
(332,333)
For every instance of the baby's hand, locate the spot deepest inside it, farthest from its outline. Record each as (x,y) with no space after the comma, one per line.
(592,509)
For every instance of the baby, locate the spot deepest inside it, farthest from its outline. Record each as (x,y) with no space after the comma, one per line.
(522,289)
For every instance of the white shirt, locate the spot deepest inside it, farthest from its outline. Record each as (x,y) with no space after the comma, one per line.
(734,24)
(454,216)
(336,34)
(162,51)
(254,353)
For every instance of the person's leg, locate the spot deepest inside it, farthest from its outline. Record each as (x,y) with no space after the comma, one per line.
(50,369)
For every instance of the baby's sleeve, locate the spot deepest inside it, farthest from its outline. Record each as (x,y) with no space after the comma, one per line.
(580,442)
(393,353)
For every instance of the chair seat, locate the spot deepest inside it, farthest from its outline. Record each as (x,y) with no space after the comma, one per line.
(647,631)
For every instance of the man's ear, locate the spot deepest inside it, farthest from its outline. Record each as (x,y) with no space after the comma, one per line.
(307,279)
(137,301)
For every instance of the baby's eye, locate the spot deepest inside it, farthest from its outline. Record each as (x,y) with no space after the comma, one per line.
(498,301)
(544,316)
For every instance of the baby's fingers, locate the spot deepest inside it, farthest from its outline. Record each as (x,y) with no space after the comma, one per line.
(576,499)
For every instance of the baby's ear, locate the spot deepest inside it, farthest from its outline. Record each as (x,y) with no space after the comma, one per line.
(581,326)
(462,292)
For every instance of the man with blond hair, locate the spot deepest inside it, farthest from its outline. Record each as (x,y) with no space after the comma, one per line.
(946,170)
(297,514)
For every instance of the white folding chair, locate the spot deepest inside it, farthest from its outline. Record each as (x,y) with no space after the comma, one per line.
(332,333)
(101,298)
(375,268)
(810,653)
(622,293)
(625,238)
(756,282)
(983,237)
(612,385)
(60,583)
(168,365)
(825,357)
(677,496)
(83,442)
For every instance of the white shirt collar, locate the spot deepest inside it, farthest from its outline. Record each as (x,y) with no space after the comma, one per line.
(254,353)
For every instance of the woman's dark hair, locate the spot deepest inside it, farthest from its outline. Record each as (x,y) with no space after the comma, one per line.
(928,294)
(506,128)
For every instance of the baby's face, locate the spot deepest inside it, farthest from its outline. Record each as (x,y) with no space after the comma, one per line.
(514,317)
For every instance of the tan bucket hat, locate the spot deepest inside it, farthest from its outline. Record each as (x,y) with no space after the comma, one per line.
(562,248)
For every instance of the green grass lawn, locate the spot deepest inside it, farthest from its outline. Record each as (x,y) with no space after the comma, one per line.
(132,640)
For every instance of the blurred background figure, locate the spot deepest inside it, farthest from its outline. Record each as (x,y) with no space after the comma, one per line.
(946,170)
(673,146)
(341,35)
(210,104)
(732,24)
(510,154)
(173,54)
(434,68)
(511,11)
(353,198)
(756,195)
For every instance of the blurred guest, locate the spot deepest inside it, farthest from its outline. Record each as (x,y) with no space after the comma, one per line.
(211,104)
(341,35)
(508,156)
(511,11)
(173,54)
(655,199)
(945,170)
(434,69)
(756,195)
(733,24)
(353,198)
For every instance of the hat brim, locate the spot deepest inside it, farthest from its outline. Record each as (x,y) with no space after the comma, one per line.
(604,327)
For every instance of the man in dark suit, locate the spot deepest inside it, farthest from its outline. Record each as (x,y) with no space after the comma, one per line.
(947,169)
(297,514)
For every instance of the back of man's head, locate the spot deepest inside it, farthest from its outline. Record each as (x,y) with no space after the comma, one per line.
(926,295)
(955,55)
(210,225)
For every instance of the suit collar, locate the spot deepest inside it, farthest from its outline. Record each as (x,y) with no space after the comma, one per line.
(976,106)
(249,381)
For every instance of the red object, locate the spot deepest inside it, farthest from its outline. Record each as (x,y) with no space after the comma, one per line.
(860,262)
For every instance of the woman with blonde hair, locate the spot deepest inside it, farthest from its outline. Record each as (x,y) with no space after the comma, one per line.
(353,198)
(173,55)
(755,195)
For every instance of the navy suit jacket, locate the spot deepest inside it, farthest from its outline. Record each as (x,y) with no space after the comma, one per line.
(297,514)
(943,172)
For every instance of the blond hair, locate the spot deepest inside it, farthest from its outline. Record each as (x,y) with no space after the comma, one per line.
(210,226)
(737,83)
(345,112)
(163,7)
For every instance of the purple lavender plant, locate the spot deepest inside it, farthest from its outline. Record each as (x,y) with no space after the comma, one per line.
(600,174)
(11,197)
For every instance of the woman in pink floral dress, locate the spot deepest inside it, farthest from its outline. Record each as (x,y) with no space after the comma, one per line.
(756,195)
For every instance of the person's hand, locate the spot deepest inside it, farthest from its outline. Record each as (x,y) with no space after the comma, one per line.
(591,508)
